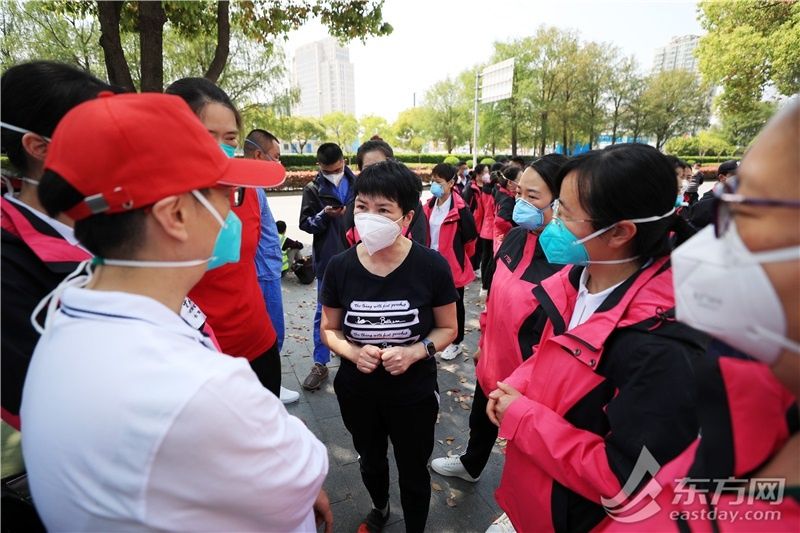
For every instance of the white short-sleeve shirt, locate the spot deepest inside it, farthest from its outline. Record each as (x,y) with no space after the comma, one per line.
(131,420)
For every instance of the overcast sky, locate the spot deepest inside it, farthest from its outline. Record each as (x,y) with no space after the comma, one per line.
(433,39)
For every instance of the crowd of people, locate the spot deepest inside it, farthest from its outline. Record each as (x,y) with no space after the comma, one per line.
(634,335)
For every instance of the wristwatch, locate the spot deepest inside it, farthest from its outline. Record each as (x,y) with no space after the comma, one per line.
(429,347)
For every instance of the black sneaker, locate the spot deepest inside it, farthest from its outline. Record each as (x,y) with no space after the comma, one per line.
(374,521)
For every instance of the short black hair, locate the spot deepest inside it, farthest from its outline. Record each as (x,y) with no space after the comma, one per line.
(461,164)
(36,95)
(497,167)
(199,92)
(626,181)
(261,137)
(445,171)
(479,168)
(372,145)
(548,167)
(391,180)
(329,153)
(116,235)
(518,160)
(281,225)
(674,161)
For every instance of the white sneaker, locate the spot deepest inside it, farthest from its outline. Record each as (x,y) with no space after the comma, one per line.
(452,466)
(478,274)
(482,295)
(289,396)
(451,352)
(501,525)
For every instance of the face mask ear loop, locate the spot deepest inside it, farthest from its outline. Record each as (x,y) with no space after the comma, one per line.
(204,201)
(51,301)
(8,184)
(777,339)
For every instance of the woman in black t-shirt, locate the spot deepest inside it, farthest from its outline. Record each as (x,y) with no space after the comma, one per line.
(388,305)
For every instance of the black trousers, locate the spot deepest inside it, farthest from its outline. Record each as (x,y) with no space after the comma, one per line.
(460,316)
(267,367)
(486,258)
(478,255)
(372,422)
(482,435)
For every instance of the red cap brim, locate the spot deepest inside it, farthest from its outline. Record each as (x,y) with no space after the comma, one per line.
(252,173)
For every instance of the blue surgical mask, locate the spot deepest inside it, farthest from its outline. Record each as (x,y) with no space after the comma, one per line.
(437,190)
(229,150)
(228,245)
(527,215)
(226,248)
(562,247)
(679,200)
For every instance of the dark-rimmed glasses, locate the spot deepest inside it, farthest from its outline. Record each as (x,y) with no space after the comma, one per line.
(237,196)
(725,195)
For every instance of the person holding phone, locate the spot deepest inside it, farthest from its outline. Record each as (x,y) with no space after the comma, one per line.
(324,200)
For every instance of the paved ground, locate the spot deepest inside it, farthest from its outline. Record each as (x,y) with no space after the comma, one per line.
(456,505)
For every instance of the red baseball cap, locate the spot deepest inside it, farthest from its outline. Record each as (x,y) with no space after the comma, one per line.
(128,151)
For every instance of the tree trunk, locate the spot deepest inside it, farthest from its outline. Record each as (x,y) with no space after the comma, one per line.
(223,42)
(151,43)
(614,130)
(108,13)
(543,145)
(565,146)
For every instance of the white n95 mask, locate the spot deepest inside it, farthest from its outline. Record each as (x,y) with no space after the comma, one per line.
(376,231)
(721,289)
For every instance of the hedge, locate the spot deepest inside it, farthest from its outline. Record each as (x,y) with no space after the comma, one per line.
(310,160)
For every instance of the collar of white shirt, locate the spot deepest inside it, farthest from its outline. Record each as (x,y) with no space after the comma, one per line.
(114,306)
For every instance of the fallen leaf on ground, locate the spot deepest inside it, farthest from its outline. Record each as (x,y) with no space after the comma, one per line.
(435,486)
(451,502)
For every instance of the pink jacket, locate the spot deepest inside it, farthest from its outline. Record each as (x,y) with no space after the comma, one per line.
(746,416)
(487,226)
(508,324)
(593,397)
(503,212)
(456,238)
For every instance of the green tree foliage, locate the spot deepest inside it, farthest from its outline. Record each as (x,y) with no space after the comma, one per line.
(260,21)
(675,103)
(341,128)
(740,127)
(409,129)
(371,125)
(750,44)
(448,115)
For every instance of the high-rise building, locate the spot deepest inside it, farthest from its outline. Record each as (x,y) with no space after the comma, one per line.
(324,74)
(678,54)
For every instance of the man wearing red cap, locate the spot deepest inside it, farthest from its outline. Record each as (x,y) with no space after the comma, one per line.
(132,419)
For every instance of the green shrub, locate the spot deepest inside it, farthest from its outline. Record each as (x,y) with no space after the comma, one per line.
(451,160)
(488,161)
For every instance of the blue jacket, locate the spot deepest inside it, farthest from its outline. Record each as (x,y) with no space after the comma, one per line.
(328,231)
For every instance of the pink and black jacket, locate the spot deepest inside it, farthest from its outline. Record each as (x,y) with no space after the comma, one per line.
(472,197)
(746,416)
(593,397)
(487,202)
(456,238)
(503,212)
(35,260)
(510,325)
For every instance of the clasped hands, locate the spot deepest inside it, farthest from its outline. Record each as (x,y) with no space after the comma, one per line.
(395,359)
(500,400)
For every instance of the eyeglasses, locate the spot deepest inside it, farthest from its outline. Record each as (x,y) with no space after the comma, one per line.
(266,154)
(725,195)
(556,205)
(237,196)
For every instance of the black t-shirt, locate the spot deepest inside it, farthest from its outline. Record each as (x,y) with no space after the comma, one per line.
(395,310)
